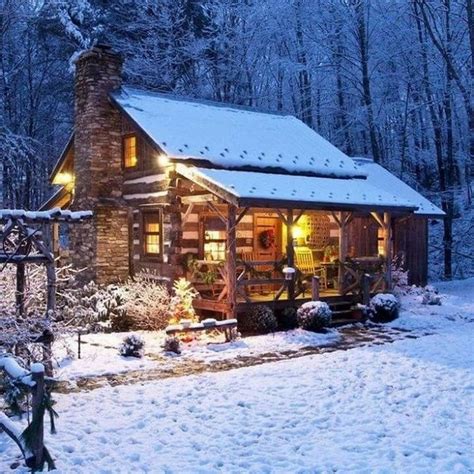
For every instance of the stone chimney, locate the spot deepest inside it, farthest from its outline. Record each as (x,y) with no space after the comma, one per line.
(100,246)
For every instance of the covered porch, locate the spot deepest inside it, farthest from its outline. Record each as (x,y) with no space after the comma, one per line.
(274,239)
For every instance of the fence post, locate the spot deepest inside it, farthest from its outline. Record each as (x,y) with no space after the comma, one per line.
(315,288)
(37,447)
(366,280)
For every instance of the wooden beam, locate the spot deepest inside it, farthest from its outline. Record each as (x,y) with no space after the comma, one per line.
(290,251)
(282,216)
(387,244)
(378,219)
(197,198)
(215,209)
(241,215)
(343,245)
(299,216)
(185,218)
(231,260)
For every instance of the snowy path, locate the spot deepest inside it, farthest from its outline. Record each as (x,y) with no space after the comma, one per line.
(401,407)
(165,366)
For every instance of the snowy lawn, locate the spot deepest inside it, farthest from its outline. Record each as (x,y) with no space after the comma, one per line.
(99,354)
(400,407)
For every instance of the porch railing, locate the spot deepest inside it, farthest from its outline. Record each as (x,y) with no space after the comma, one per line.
(260,277)
(263,281)
(355,272)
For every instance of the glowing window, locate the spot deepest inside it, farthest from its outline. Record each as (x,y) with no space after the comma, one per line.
(152,233)
(380,242)
(214,239)
(130,151)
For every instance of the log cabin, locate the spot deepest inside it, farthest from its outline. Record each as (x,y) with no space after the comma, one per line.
(252,207)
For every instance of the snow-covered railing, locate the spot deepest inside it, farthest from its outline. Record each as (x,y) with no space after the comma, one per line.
(55,215)
(31,440)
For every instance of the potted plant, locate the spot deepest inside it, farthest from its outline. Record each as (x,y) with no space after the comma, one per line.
(331,253)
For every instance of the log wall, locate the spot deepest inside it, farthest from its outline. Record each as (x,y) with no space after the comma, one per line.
(410,239)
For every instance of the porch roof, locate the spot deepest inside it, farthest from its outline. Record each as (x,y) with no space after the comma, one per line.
(377,175)
(248,188)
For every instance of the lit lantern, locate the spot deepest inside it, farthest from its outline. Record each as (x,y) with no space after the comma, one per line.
(289,273)
(297,232)
(163,160)
(63,178)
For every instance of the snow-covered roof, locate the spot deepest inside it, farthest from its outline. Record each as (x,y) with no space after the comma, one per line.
(232,137)
(378,176)
(307,191)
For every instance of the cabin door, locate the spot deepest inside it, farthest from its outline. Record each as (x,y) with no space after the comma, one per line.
(267,243)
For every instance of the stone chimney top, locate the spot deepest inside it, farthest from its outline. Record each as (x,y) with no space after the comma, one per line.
(100,50)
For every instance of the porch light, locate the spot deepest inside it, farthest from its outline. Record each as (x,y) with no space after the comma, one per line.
(289,273)
(297,232)
(163,160)
(63,178)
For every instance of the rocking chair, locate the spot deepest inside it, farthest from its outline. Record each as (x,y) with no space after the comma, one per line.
(305,263)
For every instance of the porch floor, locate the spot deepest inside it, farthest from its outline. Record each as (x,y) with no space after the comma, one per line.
(270,296)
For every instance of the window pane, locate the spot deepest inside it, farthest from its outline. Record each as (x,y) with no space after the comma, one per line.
(152,244)
(214,251)
(130,151)
(152,226)
(152,233)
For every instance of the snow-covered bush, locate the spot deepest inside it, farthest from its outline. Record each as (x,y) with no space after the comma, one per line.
(133,345)
(172,344)
(287,318)
(400,276)
(14,394)
(430,296)
(137,304)
(147,304)
(383,308)
(314,315)
(260,319)
(90,307)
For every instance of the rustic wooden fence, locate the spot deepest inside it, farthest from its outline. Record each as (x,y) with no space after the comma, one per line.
(31,440)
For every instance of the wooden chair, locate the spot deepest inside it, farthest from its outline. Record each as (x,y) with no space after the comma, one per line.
(305,263)
(263,288)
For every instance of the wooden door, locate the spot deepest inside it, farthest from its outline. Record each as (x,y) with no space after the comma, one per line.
(265,226)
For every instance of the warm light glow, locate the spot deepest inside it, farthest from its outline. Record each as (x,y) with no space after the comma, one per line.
(297,232)
(63,178)
(130,159)
(163,160)
(152,233)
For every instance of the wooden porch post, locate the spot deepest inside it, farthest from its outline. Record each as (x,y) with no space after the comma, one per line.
(385,222)
(387,244)
(290,251)
(342,219)
(231,257)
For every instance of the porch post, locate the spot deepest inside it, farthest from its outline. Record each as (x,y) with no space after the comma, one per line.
(387,244)
(343,243)
(231,257)
(290,251)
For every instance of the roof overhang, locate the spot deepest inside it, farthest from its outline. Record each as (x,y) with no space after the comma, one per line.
(62,158)
(61,198)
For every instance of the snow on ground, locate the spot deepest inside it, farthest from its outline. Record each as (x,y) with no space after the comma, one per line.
(100,356)
(457,306)
(400,407)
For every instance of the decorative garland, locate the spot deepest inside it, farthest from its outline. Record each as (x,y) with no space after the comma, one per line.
(267,238)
